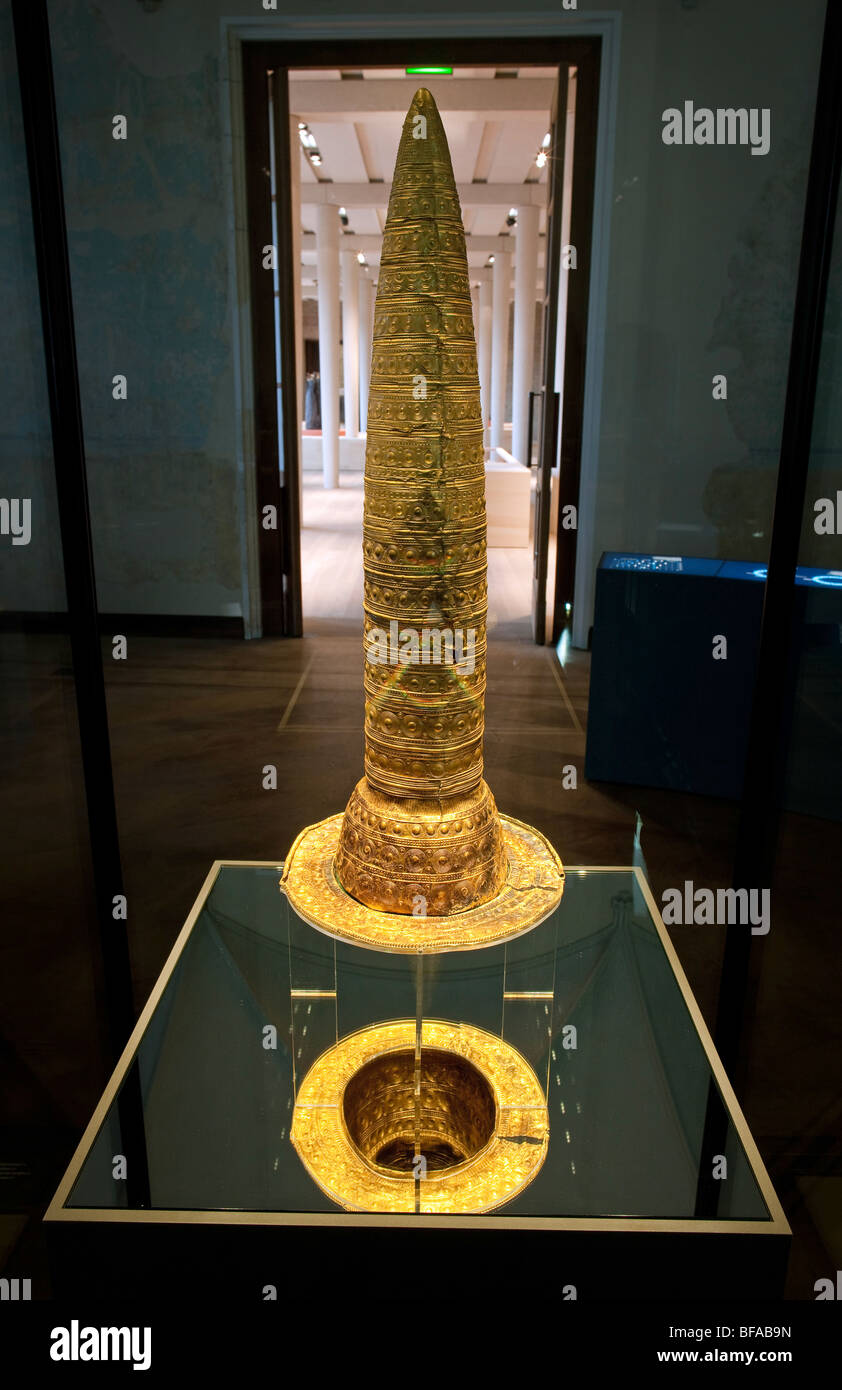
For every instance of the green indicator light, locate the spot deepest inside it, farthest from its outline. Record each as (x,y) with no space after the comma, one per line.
(429,72)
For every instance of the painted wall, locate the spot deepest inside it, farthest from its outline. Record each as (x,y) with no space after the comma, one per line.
(149,255)
(704,245)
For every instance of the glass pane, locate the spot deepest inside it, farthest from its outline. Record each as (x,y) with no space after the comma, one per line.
(796,1030)
(53,1065)
(626,750)
(704,251)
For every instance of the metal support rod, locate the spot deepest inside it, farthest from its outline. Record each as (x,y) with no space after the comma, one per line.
(760,810)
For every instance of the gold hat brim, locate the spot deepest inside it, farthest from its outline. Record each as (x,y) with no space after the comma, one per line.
(493,1177)
(532,890)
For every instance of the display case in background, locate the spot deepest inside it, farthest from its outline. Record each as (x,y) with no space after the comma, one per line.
(673,664)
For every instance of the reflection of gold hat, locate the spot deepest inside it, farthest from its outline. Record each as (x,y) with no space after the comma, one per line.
(421,839)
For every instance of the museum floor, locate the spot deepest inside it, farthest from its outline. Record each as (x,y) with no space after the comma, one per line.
(195,721)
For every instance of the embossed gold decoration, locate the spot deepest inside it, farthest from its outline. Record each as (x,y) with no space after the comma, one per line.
(531,891)
(421,854)
(466,1103)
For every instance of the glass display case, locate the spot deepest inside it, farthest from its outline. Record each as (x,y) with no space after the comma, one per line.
(549,332)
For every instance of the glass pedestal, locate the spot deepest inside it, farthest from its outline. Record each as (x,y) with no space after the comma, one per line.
(240,1137)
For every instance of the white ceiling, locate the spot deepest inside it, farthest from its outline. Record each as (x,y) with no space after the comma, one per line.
(494,124)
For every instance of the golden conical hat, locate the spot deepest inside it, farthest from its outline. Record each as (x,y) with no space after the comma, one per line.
(421,837)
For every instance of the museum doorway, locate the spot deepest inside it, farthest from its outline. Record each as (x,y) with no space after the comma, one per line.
(322,122)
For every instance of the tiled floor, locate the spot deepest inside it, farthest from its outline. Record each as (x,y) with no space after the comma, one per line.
(194,722)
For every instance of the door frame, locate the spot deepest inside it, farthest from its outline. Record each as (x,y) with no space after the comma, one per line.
(369,41)
(279,546)
(548,437)
(565,582)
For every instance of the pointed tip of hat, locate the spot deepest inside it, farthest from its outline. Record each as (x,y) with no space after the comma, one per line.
(423,139)
(424,97)
(424,104)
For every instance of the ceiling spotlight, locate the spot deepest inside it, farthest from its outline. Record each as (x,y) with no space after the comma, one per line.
(490,260)
(547,141)
(343,217)
(512,217)
(308,139)
(316,159)
(361,257)
(302,125)
(541,159)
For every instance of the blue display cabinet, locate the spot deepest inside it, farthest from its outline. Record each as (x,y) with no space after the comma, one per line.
(670,703)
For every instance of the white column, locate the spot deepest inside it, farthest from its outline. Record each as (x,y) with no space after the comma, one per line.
(499,344)
(366,296)
(484,354)
(523,348)
(565,272)
(351,341)
(327,269)
(475,309)
(295,217)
